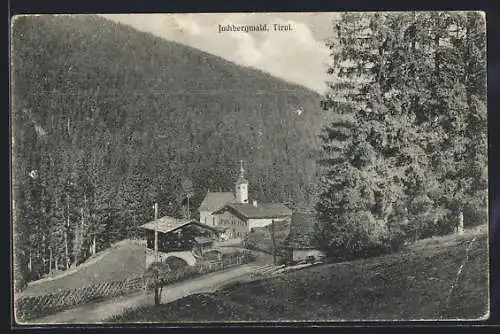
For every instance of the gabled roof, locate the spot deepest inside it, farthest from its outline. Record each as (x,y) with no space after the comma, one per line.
(168,224)
(203,240)
(302,232)
(248,211)
(216,200)
(221,228)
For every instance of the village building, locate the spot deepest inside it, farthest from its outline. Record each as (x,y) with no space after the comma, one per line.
(301,244)
(212,202)
(178,238)
(241,218)
(234,215)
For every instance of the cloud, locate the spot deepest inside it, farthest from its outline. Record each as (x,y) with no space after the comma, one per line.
(299,56)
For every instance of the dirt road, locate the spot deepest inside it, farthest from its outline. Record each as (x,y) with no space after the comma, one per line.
(98,312)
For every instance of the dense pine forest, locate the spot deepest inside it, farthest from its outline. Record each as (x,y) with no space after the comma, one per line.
(408,159)
(107,120)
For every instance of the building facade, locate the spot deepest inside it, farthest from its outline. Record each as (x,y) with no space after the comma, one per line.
(235,214)
(301,243)
(169,237)
(212,202)
(236,226)
(241,218)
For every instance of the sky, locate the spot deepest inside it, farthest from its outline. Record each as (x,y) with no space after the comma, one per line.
(299,56)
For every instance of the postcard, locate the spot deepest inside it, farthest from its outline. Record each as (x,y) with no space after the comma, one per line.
(249,167)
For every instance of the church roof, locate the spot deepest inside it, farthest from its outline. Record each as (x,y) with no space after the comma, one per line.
(302,231)
(266,210)
(216,200)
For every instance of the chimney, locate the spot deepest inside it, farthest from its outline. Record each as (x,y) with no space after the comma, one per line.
(254,203)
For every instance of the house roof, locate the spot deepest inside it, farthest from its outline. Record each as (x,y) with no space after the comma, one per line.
(203,240)
(168,224)
(302,231)
(216,200)
(266,210)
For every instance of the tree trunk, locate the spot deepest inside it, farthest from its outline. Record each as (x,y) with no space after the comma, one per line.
(50,260)
(29,263)
(460,229)
(66,249)
(274,242)
(44,260)
(157,294)
(75,247)
(66,234)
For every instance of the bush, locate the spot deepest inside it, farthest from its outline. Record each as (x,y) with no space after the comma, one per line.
(475,214)
(212,255)
(282,261)
(156,273)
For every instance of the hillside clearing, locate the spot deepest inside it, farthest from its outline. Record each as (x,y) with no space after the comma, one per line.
(123,260)
(411,285)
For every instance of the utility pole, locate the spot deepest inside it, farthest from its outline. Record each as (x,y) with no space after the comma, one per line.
(187,187)
(156,231)
(66,233)
(274,241)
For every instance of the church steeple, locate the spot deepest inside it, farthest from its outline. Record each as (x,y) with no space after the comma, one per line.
(242,170)
(242,186)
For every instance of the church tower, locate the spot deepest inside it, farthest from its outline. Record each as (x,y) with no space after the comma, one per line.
(242,186)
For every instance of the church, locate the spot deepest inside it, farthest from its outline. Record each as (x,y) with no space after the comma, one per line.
(235,214)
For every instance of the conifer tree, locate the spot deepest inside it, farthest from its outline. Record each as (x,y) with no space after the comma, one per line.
(407,79)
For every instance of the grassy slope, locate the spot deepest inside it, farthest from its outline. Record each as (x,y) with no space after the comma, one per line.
(413,284)
(119,262)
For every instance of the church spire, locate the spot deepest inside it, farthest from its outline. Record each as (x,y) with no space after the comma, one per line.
(242,170)
(242,186)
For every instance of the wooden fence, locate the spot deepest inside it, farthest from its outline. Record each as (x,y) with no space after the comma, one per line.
(206,267)
(31,307)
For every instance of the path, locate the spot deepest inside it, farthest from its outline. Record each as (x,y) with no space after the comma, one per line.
(98,312)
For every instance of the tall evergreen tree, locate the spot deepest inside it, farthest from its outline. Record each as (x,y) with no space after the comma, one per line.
(401,75)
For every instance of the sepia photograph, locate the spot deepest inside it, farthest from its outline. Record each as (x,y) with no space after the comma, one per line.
(249,167)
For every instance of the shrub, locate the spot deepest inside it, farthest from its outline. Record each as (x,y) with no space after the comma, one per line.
(282,261)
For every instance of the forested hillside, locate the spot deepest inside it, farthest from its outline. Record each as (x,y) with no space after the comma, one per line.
(106,120)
